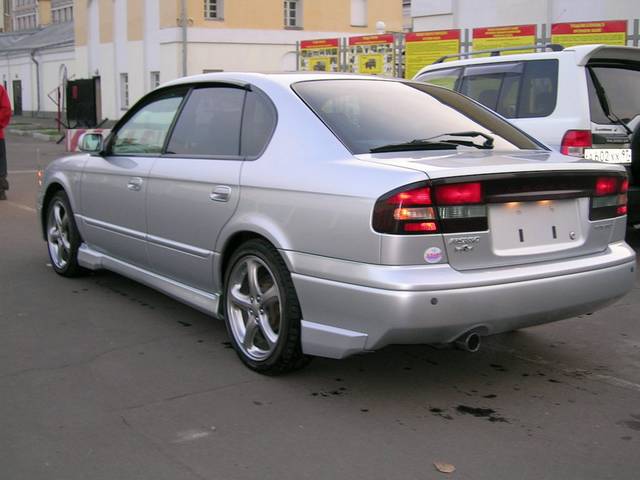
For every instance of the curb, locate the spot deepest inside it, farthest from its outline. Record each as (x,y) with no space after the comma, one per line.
(35,134)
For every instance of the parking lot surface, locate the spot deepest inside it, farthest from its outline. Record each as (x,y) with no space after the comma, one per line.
(103,378)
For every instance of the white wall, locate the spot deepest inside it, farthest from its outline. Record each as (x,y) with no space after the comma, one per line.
(438,14)
(19,66)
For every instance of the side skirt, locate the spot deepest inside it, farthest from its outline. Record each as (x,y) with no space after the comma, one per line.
(204,301)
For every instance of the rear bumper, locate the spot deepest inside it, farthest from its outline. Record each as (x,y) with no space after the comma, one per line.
(346,317)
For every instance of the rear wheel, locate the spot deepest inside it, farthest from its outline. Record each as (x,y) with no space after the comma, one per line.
(262,312)
(63,238)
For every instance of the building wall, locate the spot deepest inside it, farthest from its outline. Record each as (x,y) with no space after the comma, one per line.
(439,14)
(44,12)
(138,37)
(329,15)
(19,66)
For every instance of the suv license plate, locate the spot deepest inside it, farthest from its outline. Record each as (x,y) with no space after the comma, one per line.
(608,155)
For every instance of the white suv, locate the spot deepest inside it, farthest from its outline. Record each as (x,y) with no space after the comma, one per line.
(582,101)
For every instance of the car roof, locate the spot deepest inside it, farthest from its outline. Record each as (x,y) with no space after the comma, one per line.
(580,54)
(276,78)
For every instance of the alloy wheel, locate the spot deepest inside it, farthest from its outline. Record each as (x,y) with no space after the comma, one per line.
(58,226)
(254,307)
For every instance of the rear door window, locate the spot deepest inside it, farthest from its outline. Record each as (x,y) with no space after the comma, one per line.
(447,78)
(209,124)
(621,84)
(514,89)
(496,86)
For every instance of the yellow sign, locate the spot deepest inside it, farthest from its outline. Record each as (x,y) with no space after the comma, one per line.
(373,64)
(320,64)
(424,48)
(504,37)
(587,33)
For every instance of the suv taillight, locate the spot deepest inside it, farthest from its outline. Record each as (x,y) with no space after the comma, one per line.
(420,209)
(575,141)
(609,198)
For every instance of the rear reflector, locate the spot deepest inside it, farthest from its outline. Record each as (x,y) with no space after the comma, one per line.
(459,193)
(575,141)
(423,227)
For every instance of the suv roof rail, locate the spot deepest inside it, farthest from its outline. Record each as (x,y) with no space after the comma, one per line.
(495,52)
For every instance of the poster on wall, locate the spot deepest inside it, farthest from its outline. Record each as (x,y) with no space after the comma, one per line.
(319,55)
(371,54)
(504,37)
(424,48)
(612,32)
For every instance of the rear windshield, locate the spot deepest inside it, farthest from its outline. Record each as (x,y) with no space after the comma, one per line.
(365,114)
(621,85)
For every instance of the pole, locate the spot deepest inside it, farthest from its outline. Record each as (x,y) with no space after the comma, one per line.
(183,23)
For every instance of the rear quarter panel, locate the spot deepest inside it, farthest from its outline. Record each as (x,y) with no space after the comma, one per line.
(308,194)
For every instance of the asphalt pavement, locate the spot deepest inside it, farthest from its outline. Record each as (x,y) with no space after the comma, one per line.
(103,378)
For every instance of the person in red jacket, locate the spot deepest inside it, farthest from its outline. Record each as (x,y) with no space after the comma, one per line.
(5,116)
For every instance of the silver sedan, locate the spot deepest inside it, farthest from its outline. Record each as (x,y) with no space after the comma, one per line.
(328,215)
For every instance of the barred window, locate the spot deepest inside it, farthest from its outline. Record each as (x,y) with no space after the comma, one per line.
(213,9)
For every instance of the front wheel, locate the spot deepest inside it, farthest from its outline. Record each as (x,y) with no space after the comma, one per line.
(262,313)
(63,238)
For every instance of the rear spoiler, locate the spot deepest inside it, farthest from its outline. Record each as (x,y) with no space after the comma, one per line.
(587,53)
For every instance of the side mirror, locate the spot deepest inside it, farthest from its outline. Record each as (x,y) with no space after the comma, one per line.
(90,142)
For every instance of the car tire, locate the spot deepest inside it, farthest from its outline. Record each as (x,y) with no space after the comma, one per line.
(261,310)
(63,238)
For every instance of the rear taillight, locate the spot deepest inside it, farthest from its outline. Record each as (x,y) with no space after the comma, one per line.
(420,209)
(575,141)
(609,197)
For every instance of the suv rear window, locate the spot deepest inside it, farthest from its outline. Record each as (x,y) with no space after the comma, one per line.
(513,89)
(621,85)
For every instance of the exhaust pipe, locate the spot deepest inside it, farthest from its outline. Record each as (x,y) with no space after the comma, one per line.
(469,342)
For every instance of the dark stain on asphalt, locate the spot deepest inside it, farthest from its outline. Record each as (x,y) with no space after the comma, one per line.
(431,362)
(364,410)
(626,437)
(525,374)
(488,413)
(336,393)
(184,324)
(256,402)
(227,344)
(553,380)
(491,395)
(632,424)
(439,412)
(497,367)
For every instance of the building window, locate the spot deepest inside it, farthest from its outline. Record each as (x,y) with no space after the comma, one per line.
(359,13)
(213,9)
(155,80)
(124,91)
(293,13)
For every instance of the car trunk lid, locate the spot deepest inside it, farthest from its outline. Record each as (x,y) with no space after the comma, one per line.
(537,205)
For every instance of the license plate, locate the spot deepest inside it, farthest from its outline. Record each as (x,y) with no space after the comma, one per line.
(608,155)
(519,228)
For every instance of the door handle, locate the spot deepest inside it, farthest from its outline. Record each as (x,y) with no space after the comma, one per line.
(135,184)
(220,194)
